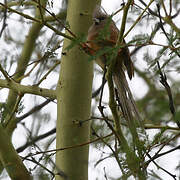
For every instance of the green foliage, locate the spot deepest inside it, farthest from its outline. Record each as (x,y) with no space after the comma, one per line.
(107,51)
(76,41)
(159,137)
(140,39)
(43,176)
(154,175)
(21,107)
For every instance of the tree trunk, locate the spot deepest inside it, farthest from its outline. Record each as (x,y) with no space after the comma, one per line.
(74,97)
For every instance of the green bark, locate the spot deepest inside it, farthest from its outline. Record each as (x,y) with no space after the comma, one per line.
(24,59)
(74,96)
(27,50)
(10,159)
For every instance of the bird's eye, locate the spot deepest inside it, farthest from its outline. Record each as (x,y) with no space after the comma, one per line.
(101,18)
(98,20)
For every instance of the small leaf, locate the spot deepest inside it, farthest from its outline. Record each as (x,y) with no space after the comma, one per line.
(76,41)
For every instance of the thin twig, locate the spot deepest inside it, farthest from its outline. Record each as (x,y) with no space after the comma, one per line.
(162,27)
(35,139)
(159,167)
(28,73)
(4,19)
(48,72)
(165,11)
(138,19)
(162,154)
(40,11)
(33,110)
(5,73)
(150,11)
(118,11)
(114,152)
(15,110)
(105,173)
(70,147)
(100,107)
(170,7)
(157,153)
(53,15)
(163,80)
(40,165)
(45,57)
(123,23)
(97,91)
(38,21)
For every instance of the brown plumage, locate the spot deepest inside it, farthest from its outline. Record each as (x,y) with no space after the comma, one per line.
(101,26)
(97,41)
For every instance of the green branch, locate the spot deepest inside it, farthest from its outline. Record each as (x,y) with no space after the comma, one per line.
(123,22)
(22,89)
(21,3)
(169,21)
(38,21)
(133,161)
(138,19)
(10,159)
(21,14)
(26,53)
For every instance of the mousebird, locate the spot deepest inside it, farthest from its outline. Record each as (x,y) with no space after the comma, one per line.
(103,34)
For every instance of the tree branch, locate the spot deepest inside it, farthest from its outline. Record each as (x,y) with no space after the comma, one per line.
(22,89)
(10,159)
(37,138)
(37,20)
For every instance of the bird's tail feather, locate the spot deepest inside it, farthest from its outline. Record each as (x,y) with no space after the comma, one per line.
(127,102)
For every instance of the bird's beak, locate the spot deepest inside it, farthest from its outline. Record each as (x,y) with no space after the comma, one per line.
(96,20)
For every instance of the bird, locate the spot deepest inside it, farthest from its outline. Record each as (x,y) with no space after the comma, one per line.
(101,39)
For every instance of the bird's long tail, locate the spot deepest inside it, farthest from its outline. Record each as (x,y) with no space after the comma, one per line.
(130,112)
(127,102)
